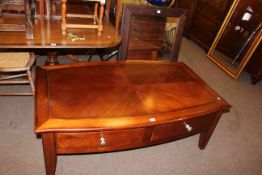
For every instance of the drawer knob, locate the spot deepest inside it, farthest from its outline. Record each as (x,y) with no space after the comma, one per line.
(188,127)
(102,141)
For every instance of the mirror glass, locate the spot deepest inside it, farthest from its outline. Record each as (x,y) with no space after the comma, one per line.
(154,42)
(238,37)
(151,33)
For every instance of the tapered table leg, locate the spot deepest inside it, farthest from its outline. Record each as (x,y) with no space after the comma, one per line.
(205,136)
(49,153)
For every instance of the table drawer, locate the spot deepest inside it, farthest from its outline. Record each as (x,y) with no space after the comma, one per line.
(181,128)
(99,141)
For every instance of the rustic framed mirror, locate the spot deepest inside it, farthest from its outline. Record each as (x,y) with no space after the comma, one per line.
(151,33)
(238,37)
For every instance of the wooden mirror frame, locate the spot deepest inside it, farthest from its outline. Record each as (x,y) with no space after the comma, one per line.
(254,44)
(129,10)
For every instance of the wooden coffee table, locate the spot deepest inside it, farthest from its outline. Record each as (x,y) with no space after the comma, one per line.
(109,106)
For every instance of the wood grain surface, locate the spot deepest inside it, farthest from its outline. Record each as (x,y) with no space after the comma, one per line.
(49,35)
(95,96)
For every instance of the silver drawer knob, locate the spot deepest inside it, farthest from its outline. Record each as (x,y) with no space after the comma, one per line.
(188,127)
(102,141)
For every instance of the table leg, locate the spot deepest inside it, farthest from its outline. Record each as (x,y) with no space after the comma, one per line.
(51,59)
(48,141)
(205,136)
(255,80)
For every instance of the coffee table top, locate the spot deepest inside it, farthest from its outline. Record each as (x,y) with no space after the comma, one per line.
(115,95)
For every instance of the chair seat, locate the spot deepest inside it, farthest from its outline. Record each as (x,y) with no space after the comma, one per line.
(14,60)
(15,68)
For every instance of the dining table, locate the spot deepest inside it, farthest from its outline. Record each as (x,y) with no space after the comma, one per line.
(48,37)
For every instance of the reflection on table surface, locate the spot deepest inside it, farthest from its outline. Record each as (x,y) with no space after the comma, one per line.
(49,35)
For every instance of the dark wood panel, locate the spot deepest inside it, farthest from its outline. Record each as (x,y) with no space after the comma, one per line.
(190,6)
(254,66)
(203,31)
(212,13)
(204,19)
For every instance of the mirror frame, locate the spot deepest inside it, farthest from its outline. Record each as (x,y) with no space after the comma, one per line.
(130,9)
(247,55)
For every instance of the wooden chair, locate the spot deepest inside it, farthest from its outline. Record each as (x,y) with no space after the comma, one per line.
(14,67)
(20,16)
(97,19)
(11,5)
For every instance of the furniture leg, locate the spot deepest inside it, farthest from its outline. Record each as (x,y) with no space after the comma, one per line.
(49,153)
(33,9)
(95,13)
(63,14)
(108,3)
(31,81)
(51,59)
(118,14)
(48,9)
(205,136)
(28,21)
(154,55)
(101,13)
(1,15)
